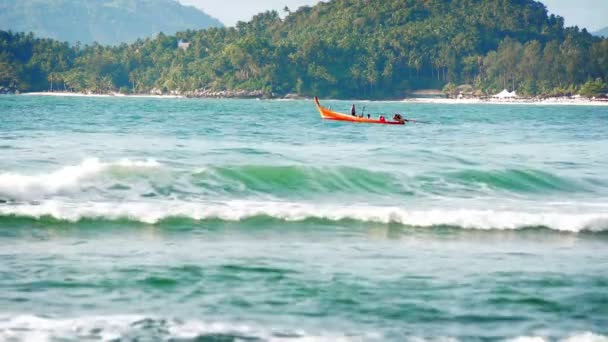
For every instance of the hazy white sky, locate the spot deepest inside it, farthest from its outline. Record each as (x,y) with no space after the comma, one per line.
(231,11)
(592,14)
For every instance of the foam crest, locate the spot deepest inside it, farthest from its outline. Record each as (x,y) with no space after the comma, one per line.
(154,212)
(33,187)
(111,328)
(587,337)
(581,337)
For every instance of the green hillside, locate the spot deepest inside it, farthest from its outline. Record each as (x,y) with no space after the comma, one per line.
(107,22)
(602,33)
(342,49)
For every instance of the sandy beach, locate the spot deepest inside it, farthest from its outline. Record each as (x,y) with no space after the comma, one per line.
(494,101)
(520,101)
(70,94)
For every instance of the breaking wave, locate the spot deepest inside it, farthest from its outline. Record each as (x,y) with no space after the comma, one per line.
(150,178)
(150,192)
(235,211)
(65,180)
(134,327)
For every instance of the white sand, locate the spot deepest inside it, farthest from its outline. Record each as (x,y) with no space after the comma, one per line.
(68,94)
(548,101)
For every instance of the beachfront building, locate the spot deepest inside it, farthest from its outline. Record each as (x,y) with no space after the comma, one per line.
(505,94)
(183,45)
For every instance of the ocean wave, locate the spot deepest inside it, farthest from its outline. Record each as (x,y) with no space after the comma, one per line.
(298,178)
(134,327)
(579,337)
(134,179)
(518,180)
(235,211)
(17,186)
(301,178)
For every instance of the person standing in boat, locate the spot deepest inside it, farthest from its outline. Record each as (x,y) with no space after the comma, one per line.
(353,111)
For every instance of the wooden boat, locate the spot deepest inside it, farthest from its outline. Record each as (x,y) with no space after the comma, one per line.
(331,115)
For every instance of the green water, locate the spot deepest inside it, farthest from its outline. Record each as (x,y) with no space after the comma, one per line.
(230,220)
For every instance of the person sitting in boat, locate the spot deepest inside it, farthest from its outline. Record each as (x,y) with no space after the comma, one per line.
(353,111)
(382,119)
(369,116)
(398,118)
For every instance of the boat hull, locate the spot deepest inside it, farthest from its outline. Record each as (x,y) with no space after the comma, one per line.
(331,115)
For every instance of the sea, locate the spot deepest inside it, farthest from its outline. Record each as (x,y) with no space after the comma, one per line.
(145,219)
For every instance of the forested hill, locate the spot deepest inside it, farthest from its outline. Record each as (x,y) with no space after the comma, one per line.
(602,33)
(108,22)
(340,48)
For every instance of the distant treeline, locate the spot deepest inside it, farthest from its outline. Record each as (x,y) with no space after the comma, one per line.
(340,49)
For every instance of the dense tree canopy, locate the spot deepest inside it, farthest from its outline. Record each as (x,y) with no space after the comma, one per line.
(341,48)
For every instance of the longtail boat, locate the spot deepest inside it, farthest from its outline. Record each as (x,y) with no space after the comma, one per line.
(328,114)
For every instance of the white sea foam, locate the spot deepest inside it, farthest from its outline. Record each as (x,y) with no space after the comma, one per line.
(155,211)
(587,337)
(113,95)
(580,337)
(436,339)
(69,178)
(527,339)
(109,328)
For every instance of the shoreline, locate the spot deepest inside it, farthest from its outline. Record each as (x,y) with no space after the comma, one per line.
(471,101)
(69,94)
(521,101)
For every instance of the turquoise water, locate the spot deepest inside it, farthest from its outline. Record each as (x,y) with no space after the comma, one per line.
(230,220)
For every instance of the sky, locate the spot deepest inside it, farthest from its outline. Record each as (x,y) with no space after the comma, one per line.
(590,14)
(231,11)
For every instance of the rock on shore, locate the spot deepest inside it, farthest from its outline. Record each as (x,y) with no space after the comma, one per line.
(204,93)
